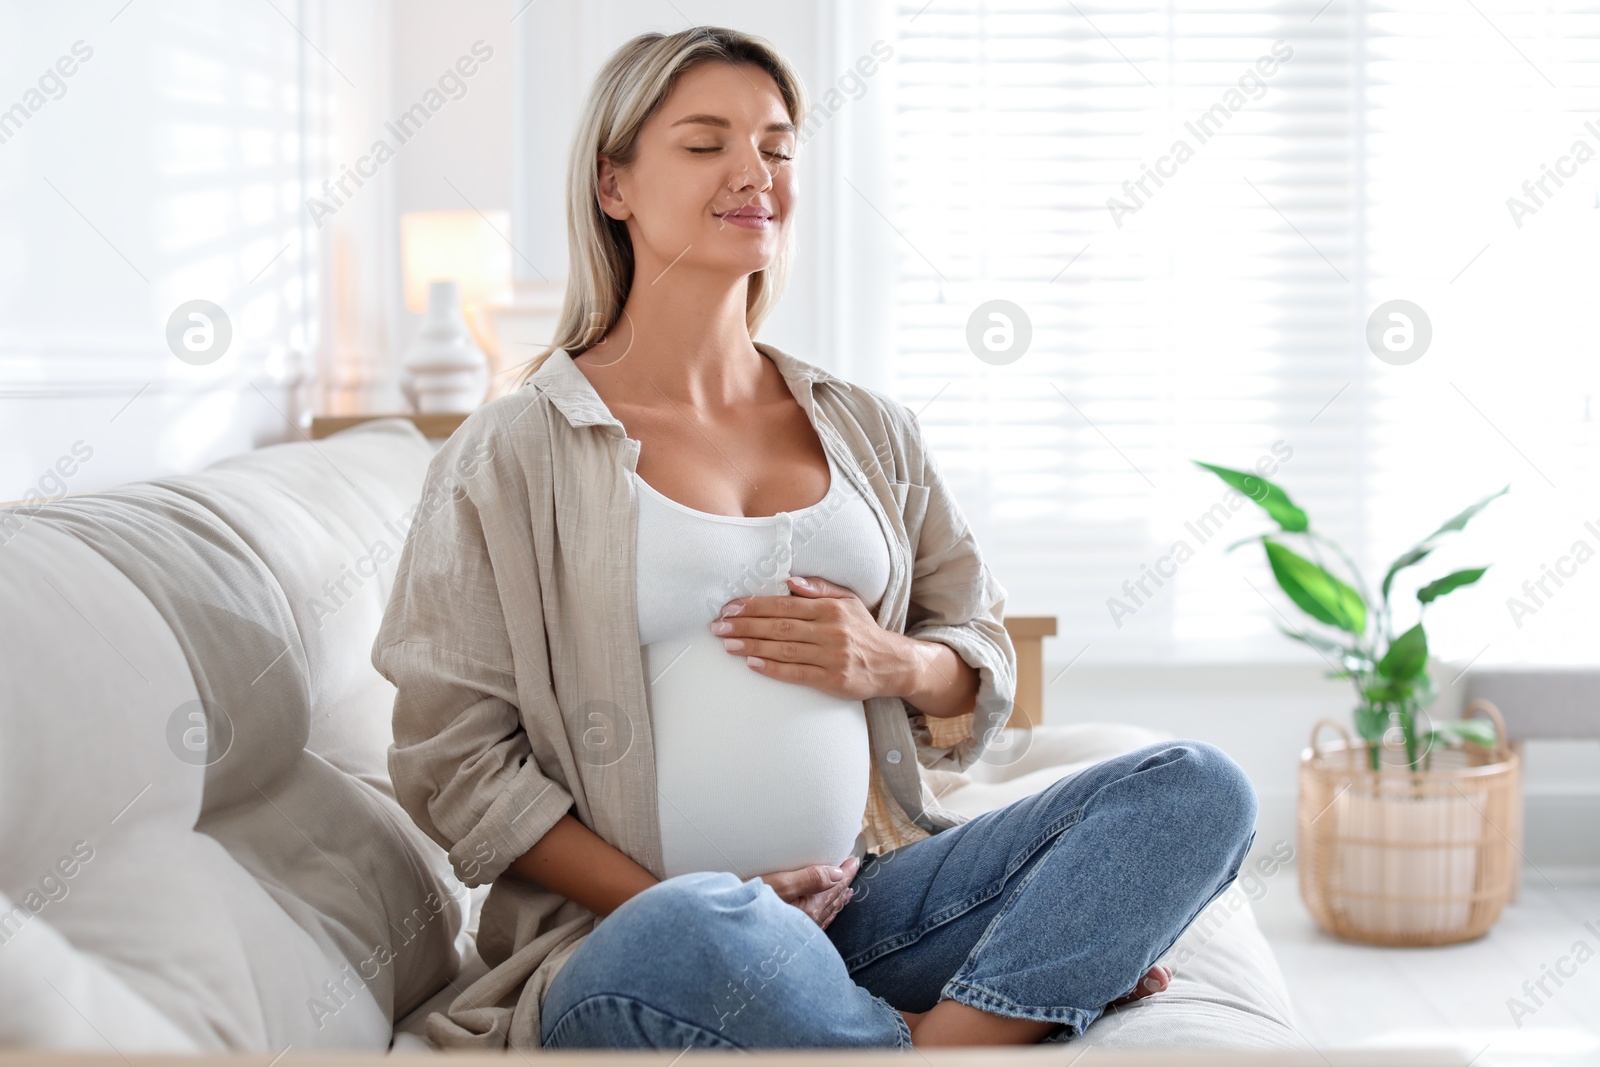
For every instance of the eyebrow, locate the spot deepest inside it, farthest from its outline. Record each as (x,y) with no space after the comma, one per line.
(718,120)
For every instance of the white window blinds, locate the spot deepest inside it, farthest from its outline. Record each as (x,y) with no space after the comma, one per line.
(1195,208)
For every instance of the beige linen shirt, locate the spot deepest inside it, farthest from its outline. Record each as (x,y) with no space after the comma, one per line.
(511,636)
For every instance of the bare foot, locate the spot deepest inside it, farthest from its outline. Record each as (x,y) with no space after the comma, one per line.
(1155,980)
(952,1023)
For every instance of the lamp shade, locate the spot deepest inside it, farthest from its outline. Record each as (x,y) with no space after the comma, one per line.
(470,248)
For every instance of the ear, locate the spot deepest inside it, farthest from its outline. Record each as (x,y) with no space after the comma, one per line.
(607,193)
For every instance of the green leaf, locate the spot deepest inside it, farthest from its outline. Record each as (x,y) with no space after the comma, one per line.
(1371,723)
(1439,587)
(1460,521)
(1273,500)
(1350,657)
(1321,643)
(1406,657)
(1411,556)
(1392,691)
(1478,731)
(1317,593)
(1426,545)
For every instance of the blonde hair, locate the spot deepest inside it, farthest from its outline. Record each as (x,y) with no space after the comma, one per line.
(626,93)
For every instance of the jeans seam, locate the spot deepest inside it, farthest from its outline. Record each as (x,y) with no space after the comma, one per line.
(976,997)
(1221,889)
(902,1027)
(955,911)
(959,979)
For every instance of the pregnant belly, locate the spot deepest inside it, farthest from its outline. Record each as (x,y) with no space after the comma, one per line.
(755,775)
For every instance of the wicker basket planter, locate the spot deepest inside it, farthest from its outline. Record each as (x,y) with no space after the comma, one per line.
(1402,857)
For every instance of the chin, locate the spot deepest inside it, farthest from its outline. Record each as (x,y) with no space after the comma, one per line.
(745,267)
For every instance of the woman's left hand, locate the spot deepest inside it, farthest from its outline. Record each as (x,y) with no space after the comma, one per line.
(822,636)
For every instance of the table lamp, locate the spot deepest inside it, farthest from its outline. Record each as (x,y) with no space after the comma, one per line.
(453,264)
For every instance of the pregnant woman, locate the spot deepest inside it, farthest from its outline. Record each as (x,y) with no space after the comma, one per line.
(678,622)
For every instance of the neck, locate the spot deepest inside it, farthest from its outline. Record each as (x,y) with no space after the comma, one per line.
(684,338)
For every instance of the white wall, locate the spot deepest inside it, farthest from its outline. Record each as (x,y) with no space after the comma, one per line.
(186,158)
(463,158)
(468,144)
(1262,715)
(164,172)
(176,165)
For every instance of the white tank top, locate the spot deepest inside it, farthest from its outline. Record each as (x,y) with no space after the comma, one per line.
(755,775)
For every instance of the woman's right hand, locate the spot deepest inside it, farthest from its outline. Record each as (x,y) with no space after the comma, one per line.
(814,890)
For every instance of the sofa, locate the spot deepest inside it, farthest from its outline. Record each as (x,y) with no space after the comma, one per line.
(202,848)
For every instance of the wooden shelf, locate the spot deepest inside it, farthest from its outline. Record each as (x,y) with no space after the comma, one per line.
(434,426)
(1027,637)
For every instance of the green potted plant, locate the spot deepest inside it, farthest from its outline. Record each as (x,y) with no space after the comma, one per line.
(1390,673)
(1393,850)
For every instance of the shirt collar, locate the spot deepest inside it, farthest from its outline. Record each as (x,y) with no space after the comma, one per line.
(571,392)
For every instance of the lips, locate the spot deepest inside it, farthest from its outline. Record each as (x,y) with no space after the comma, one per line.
(750,219)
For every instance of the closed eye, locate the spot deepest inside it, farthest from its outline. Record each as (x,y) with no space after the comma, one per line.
(779,156)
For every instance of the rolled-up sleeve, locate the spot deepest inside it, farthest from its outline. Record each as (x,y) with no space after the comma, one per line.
(957,601)
(461,762)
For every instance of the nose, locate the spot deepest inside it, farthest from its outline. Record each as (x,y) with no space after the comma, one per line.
(749,173)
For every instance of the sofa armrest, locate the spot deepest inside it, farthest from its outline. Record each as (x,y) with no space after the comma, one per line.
(1017,752)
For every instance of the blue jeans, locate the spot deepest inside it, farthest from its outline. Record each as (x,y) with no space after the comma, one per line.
(1048,908)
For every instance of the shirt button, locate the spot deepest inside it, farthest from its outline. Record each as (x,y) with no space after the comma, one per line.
(893,755)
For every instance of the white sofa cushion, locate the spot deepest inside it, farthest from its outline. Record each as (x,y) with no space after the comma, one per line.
(278,896)
(52,991)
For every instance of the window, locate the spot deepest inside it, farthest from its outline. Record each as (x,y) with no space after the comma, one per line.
(1194,209)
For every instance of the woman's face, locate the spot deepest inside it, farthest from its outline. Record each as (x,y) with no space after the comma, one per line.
(713,184)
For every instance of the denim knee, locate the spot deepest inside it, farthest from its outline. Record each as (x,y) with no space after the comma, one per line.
(675,918)
(1212,787)
(710,959)
(687,908)
(685,897)
(679,923)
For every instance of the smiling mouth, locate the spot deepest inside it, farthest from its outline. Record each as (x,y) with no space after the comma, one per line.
(755,221)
